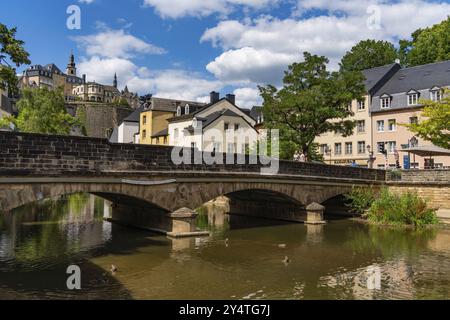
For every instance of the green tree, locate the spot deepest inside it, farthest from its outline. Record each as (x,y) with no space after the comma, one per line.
(427,45)
(43,111)
(12,54)
(369,54)
(436,125)
(312,101)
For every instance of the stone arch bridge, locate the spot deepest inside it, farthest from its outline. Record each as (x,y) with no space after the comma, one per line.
(147,189)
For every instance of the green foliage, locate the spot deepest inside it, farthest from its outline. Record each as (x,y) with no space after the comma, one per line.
(311,97)
(427,45)
(360,199)
(369,54)
(11,53)
(405,209)
(43,111)
(436,126)
(122,102)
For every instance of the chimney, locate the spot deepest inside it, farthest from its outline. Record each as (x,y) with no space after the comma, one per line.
(84,78)
(231,98)
(214,97)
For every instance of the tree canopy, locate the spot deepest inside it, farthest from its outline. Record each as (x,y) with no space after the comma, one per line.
(312,101)
(369,54)
(436,124)
(427,45)
(12,53)
(43,111)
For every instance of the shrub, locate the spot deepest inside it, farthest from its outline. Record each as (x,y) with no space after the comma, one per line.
(360,199)
(407,209)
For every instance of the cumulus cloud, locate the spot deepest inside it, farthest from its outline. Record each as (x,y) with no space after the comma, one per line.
(86,1)
(248,97)
(115,44)
(259,50)
(200,8)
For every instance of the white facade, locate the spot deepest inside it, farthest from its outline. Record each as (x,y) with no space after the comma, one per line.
(221,127)
(127,132)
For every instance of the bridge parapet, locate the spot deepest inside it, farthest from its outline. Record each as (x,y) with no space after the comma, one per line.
(44,155)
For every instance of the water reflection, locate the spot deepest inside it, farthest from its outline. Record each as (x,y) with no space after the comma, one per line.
(243,258)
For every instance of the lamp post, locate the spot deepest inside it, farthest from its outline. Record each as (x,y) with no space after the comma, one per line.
(371,157)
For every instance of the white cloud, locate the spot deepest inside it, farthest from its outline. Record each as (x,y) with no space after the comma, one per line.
(258,50)
(199,8)
(115,44)
(86,1)
(247,97)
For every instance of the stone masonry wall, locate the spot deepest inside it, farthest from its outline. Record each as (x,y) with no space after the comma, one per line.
(35,154)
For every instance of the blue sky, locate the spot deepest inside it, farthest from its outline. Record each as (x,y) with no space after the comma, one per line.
(186,48)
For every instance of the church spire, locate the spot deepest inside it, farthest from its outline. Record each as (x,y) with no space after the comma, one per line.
(115,80)
(71,66)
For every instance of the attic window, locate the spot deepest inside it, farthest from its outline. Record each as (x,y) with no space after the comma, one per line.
(385,102)
(413,98)
(179,111)
(186,109)
(436,94)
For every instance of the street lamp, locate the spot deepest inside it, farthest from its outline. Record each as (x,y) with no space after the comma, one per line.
(371,157)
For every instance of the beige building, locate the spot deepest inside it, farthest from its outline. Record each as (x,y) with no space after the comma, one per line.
(398,102)
(339,150)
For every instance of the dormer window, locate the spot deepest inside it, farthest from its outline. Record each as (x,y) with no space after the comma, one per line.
(385,101)
(436,94)
(413,98)
(186,109)
(179,111)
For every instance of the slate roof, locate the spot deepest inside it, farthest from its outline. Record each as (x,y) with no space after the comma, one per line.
(375,76)
(135,116)
(114,136)
(162,133)
(256,112)
(419,78)
(170,105)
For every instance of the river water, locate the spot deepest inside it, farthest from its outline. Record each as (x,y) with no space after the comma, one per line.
(242,259)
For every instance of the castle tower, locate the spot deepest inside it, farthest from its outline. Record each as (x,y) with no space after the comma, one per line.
(115,80)
(71,67)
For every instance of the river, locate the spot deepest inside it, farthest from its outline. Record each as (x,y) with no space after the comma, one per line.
(242,259)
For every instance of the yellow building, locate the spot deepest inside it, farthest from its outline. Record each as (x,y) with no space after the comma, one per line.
(153,124)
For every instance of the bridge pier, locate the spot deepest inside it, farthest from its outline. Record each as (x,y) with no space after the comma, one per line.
(178,224)
(314,214)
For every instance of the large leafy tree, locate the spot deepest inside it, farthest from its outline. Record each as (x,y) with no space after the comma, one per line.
(436,124)
(427,45)
(12,54)
(312,101)
(43,111)
(369,54)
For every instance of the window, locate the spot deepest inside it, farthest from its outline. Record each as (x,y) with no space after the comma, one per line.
(385,102)
(392,125)
(380,146)
(144,120)
(413,120)
(226,126)
(436,95)
(381,166)
(349,107)
(186,109)
(348,148)
(165,140)
(337,149)
(178,111)
(380,125)
(230,148)
(361,126)
(412,99)
(144,134)
(245,148)
(323,149)
(217,147)
(361,147)
(361,105)
(391,146)
(236,127)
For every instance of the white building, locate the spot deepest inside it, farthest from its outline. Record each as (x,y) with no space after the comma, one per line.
(128,130)
(219,126)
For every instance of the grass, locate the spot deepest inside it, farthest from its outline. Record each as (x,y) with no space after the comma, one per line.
(392,209)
